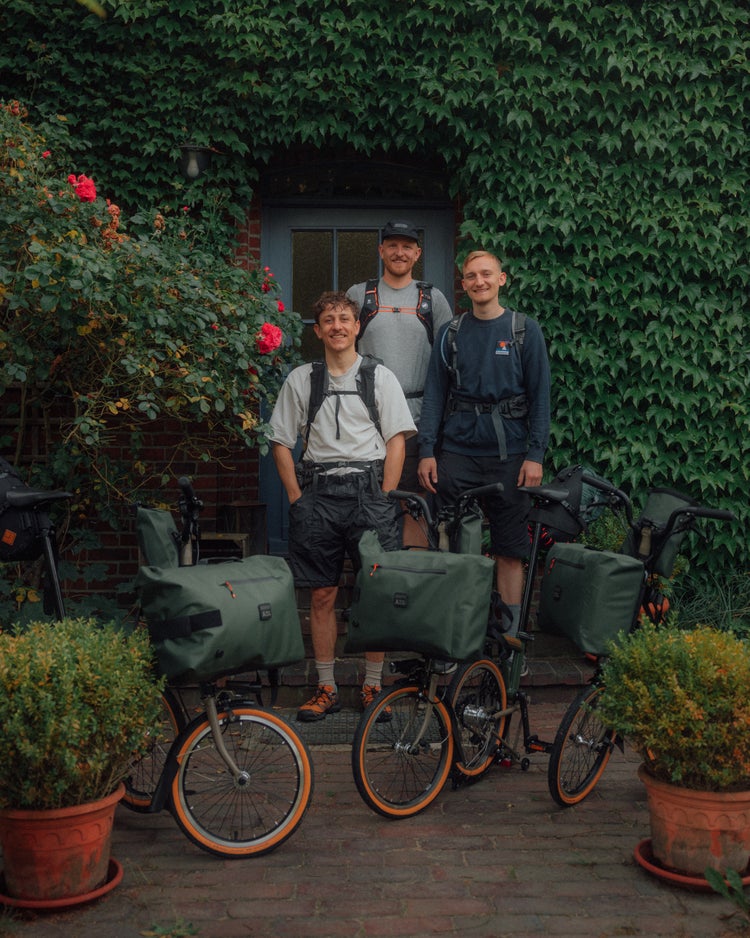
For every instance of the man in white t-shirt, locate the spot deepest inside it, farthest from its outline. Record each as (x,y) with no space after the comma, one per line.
(353,455)
(398,318)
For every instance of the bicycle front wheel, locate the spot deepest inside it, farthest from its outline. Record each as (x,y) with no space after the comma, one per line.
(581,750)
(402,752)
(477,694)
(145,772)
(255,812)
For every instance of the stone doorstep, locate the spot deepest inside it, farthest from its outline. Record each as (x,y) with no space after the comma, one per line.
(546,674)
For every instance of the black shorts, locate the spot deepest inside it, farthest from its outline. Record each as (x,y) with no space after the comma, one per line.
(409,481)
(326,523)
(507,512)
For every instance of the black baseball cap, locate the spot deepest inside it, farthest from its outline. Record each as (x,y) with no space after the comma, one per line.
(400,229)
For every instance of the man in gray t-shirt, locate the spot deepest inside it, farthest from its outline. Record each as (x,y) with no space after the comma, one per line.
(337,491)
(398,337)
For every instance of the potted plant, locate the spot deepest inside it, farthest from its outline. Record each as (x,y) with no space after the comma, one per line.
(681,699)
(78,700)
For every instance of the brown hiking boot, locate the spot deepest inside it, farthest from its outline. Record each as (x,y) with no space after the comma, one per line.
(369,693)
(324,701)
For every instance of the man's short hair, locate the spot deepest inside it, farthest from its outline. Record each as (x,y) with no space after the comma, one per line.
(475,254)
(333,298)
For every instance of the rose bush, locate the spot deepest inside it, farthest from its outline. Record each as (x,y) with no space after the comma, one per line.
(108,325)
(131,326)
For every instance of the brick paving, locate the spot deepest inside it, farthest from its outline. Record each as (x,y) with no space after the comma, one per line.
(494,860)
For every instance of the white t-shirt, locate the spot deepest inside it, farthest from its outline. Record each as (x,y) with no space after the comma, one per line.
(342,430)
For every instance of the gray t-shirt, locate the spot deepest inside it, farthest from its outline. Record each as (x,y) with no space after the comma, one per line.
(344,416)
(398,338)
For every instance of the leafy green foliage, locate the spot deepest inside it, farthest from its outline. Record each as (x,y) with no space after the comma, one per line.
(107,327)
(131,327)
(598,147)
(730,886)
(680,698)
(78,700)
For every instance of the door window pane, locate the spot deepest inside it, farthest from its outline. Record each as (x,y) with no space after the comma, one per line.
(332,259)
(312,268)
(357,257)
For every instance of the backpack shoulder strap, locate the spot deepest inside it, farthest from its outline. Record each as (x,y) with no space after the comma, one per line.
(424,308)
(450,354)
(318,386)
(366,387)
(369,306)
(519,328)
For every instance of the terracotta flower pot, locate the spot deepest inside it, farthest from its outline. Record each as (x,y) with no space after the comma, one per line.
(692,830)
(59,853)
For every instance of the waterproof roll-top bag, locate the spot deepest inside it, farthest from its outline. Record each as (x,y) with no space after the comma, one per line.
(660,504)
(158,537)
(210,620)
(431,602)
(589,595)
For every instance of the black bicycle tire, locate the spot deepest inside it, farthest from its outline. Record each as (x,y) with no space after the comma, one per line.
(146,771)
(479,741)
(392,778)
(234,821)
(581,750)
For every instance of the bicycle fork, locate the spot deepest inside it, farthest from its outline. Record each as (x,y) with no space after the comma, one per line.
(241,777)
(414,742)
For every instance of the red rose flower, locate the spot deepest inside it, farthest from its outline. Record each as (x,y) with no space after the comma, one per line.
(268,339)
(85,188)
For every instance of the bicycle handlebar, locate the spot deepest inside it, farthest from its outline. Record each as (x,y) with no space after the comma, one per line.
(416,505)
(687,512)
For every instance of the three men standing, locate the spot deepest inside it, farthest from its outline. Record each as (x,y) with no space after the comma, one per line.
(478,386)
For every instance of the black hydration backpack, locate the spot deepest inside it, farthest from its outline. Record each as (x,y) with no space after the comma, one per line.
(319,390)
(372,304)
(18,528)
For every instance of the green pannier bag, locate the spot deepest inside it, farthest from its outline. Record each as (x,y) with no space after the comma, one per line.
(210,620)
(431,602)
(158,537)
(660,504)
(589,595)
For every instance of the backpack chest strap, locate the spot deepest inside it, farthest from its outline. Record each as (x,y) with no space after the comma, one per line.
(515,407)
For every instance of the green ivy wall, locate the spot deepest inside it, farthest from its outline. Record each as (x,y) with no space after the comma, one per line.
(600,148)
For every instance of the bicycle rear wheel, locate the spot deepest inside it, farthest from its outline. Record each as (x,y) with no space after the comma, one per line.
(400,764)
(581,751)
(258,811)
(145,772)
(477,693)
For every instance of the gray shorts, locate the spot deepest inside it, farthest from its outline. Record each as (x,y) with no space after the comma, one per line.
(326,523)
